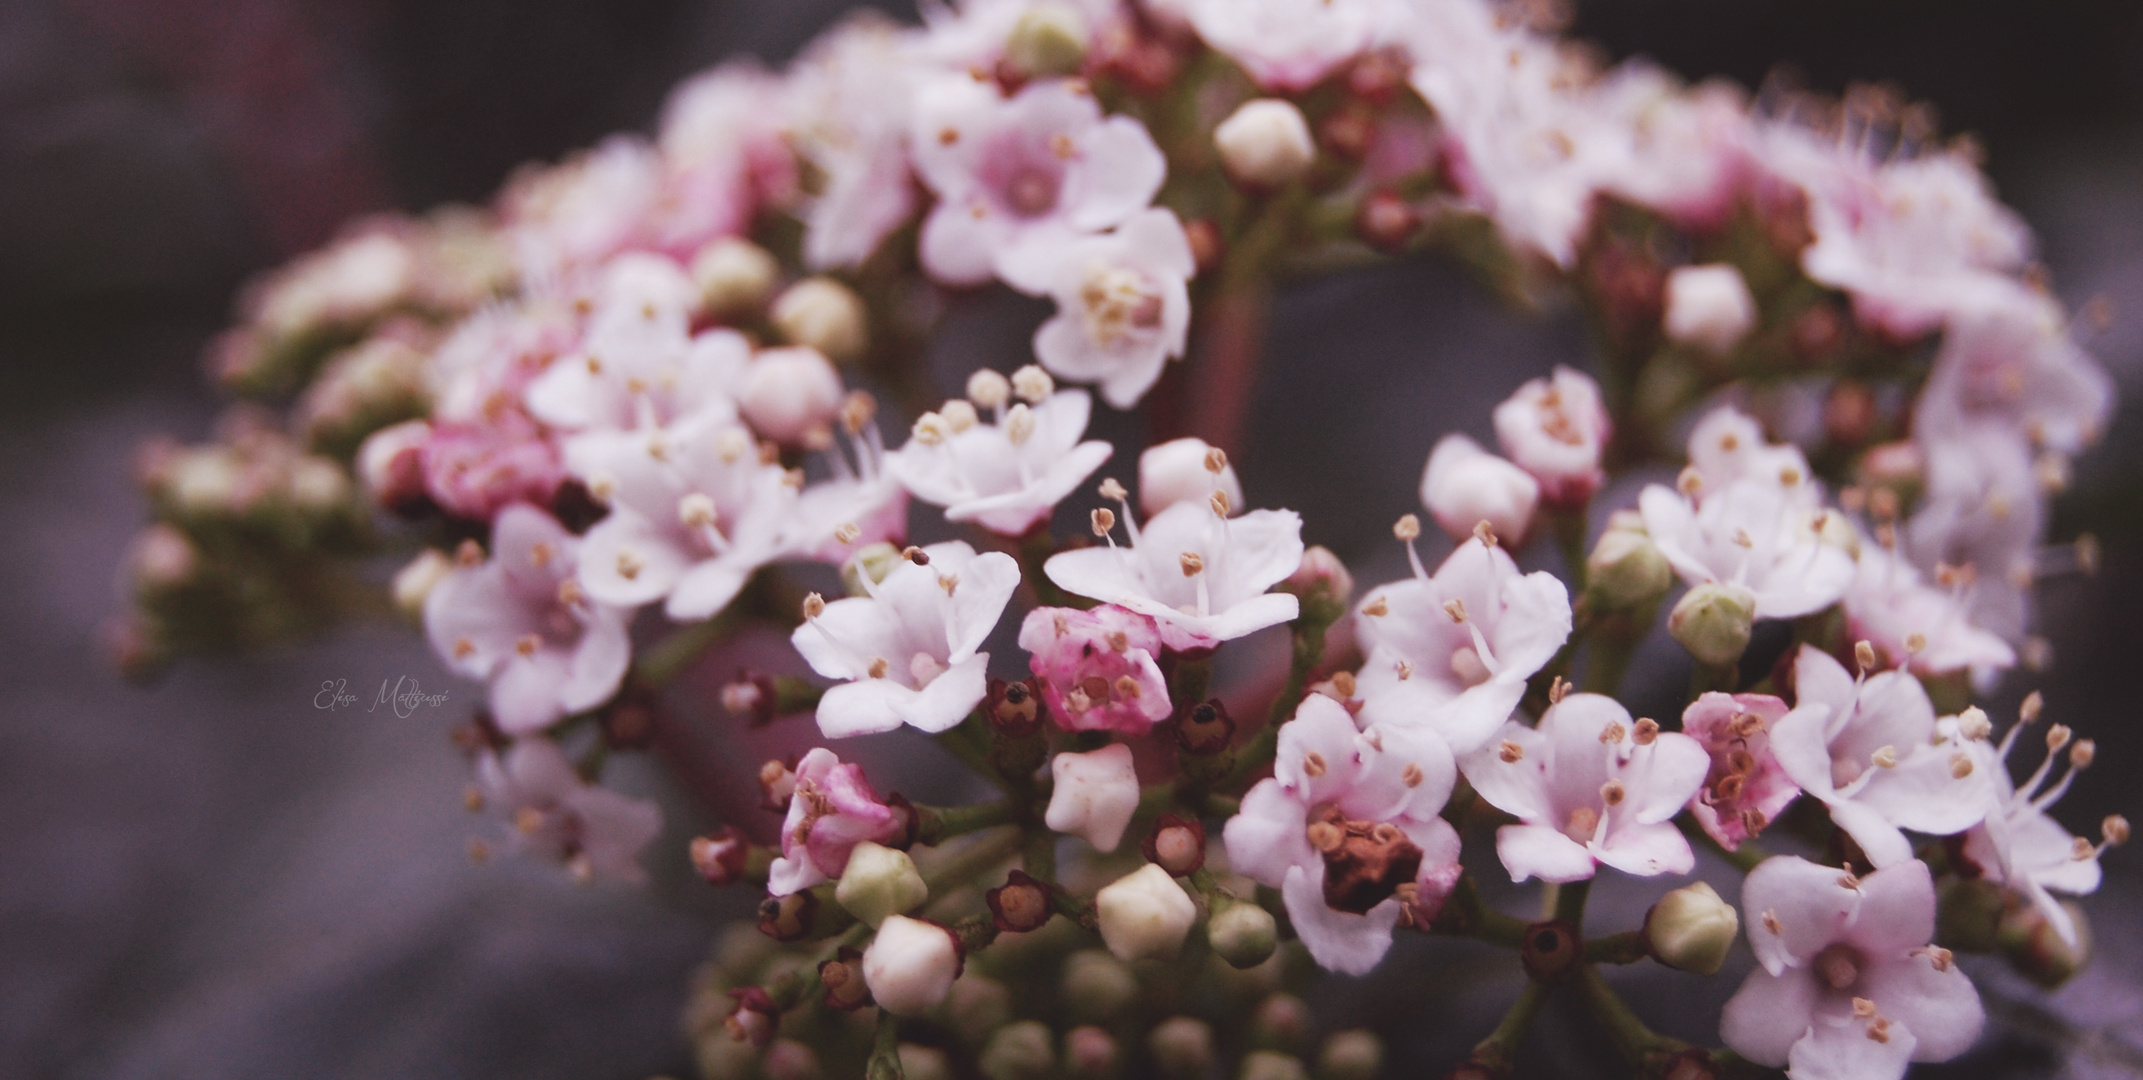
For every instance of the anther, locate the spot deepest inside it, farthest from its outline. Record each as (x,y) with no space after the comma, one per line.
(879,667)
(1411,775)
(814,605)
(1113,491)
(1313,764)
(915,555)
(1864,655)
(1884,757)
(1614,732)
(1612,793)
(2057,737)
(2081,753)
(1456,609)
(2114,830)
(1104,519)
(1960,766)
(1192,563)
(1510,753)
(527,644)
(629,565)
(1485,533)
(1915,643)
(989,389)
(469,554)
(1647,731)
(1771,923)
(1019,424)
(2028,712)
(696,511)
(1557,690)
(848,533)
(1973,724)
(1032,384)
(1408,528)
(1219,502)
(959,415)
(1690,481)
(1216,460)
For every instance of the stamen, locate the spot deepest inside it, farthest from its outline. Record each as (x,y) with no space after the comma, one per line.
(629,565)
(1885,757)
(1104,520)
(1376,607)
(1960,766)
(1510,753)
(1485,533)
(814,605)
(1613,733)
(1192,563)
(1612,793)
(1647,731)
(1313,765)
(989,389)
(1456,609)
(1216,460)
(1864,655)
(1032,384)
(1407,528)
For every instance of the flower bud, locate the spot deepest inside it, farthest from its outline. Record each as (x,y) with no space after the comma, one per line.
(1090,1053)
(1351,1055)
(163,559)
(1626,571)
(1709,307)
(1281,1022)
(911,964)
(1691,929)
(977,1006)
(821,313)
(924,1063)
(1272,1065)
(754,1019)
(720,857)
(1019,1051)
(2035,949)
(1323,584)
(1713,621)
(1465,485)
(842,977)
(1181,1047)
(1095,795)
(789,1059)
(1020,904)
(1265,143)
(1387,222)
(1181,471)
(1242,933)
(1176,845)
(413,583)
(1145,914)
(790,395)
(1556,429)
(734,277)
(1097,987)
(1204,729)
(789,918)
(1049,39)
(879,882)
(877,560)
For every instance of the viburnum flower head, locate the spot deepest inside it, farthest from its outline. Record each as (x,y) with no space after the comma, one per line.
(832,809)
(1097,667)
(1006,474)
(1871,750)
(1018,178)
(1849,987)
(1465,485)
(1589,785)
(592,829)
(1347,829)
(1451,653)
(522,622)
(1746,788)
(1123,307)
(908,650)
(2020,845)
(1201,576)
(1555,429)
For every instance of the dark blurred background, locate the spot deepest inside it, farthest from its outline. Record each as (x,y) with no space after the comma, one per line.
(211,878)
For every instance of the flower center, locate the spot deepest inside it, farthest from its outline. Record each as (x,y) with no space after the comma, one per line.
(1838,966)
(1031,193)
(1118,301)
(1364,862)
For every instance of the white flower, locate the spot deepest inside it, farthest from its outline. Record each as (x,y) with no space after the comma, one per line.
(1094,795)
(1916,624)
(1017,178)
(2020,845)
(585,210)
(1201,576)
(1728,445)
(790,395)
(1872,752)
(1123,308)
(1181,470)
(1981,515)
(850,98)
(910,965)
(1709,307)
(1265,142)
(1464,485)
(637,364)
(590,828)
(1291,44)
(909,648)
(1006,474)
(1753,536)
(1556,428)
(2011,365)
(1144,914)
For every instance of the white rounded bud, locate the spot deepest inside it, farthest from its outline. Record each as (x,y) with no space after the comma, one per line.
(1465,485)
(1019,1051)
(1626,570)
(1090,1051)
(910,965)
(880,882)
(825,315)
(1266,142)
(1145,914)
(1182,1047)
(1049,39)
(413,583)
(1691,929)
(1097,986)
(790,394)
(1175,471)
(1713,621)
(734,277)
(318,486)
(390,463)
(1709,307)
(163,559)
(1272,1065)
(918,1062)
(1095,795)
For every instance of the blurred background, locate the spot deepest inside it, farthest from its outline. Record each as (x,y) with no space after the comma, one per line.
(212,877)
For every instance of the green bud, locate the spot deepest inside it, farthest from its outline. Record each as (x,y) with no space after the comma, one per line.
(923,1063)
(875,559)
(1020,1051)
(1970,915)
(1626,570)
(1351,1055)
(1272,1065)
(2036,951)
(1182,1048)
(823,314)
(1050,39)
(1691,929)
(1097,987)
(1243,934)
(1713,622)
(734,277)
(879,882)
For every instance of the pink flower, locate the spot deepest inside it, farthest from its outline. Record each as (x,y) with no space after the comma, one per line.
(1203,578)
(2011,365)
(1347,829)
(1097,667)
(522,622)
(1982,515)
(849,98)
(591,828)
(1291,44)
(638,364)
(832,810)
(1589,786)
(1465,485)
(1871,750)
(1005,475)
(1018,178)
(1555,428)
(1915,624)
(1746,787)
(476,470)
(1850,988)
(2021,846)
(584,210)
(722,149)
(1123,308)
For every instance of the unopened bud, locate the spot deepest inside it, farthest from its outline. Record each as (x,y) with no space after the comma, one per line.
(1351,1055)
(754,1019)
(777,784)
(1097,987)
(788,1059)
(1272,1065)
(1691,929)
(720,856)
(1626,570)
(1182,1048)
(1709,307)
(734,277)
(976,1006)
(390,466)
(1387,222)
(1095,795)
(2035,948)
(1713,621)
(1049,39)
(1280,1022)
(1090,1053)
(1266,143)
(1145,914)
(880,882)
(1020,904)
(1176,845)
(1242,933)
(790,394)
(1465,486)
(842,977)
(911,964)
(823,314)
(1321,577)
(1019,1051)
(1175,471)
(413,583)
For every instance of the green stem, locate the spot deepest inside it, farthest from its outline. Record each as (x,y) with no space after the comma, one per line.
(673,655)
(1608,660)
(941,823)
(970,742)
(1627,947)
(885,1050)
(962,867)
(1637,1043)
(1498,1053)
(1467,914)
(1570,541)
(1570,902)
(1038,856)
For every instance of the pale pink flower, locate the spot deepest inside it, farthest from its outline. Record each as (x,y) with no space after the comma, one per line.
(1018,178)
(722,153)
(1589,786)
(592,829)
(1347,829)
(1916,624)
(1688,151)
(475,470)
(1981,514)
(861,492)
(2021,846)
(1750,535)
(1746,787)
(1005,474)
(486,364)
(637,364)
(790,395)
(1871,751)
(521,622)
(1849,988)
(908,650)
(1203,578)
(849,101)
(833,809)
(1097,667)
(1291,44)
(1728,445)
(585,210)
(1464,485)
(1123,308)
(2011,365)
(1555,429)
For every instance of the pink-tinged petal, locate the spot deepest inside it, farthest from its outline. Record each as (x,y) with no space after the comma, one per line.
(864,707)
(1769,1014)
(1883,843)
(1247,617)
(627,560)
(1578,761)
(1897,909)
(536,772)
(1120,172)
(1668,518)
(1794,908)
(1264,546)
(792,874)
(1838,1048)
(1939,1007)
(1029,257)
(1819,678)
(519,529)
(1265,837)
(986,585)
(524,692)
(614,830)
(1318,756)
(1471,719)
(707,588)
(1103,573)
(1670,779)
(1518,788)
(1798,743)
(948,699)
(598,662)
(846,637)
(1819,576)
(1530,851)
(1923,793)
(1438,841)
(1534,623)
(957,247)
(1338,940)
(473,621)
(1434,771)
(1014,512)
(1646,850)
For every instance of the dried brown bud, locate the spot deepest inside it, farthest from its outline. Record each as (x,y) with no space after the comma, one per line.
(1204,728)
(788,918)
(842,977)
(754,1020)
(719,856)
(1015,708)
(1020,904)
